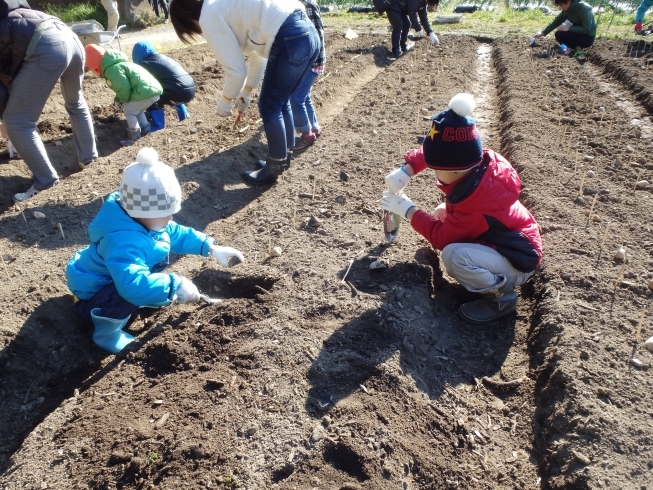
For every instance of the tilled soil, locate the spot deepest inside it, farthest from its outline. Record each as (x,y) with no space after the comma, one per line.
(305,378)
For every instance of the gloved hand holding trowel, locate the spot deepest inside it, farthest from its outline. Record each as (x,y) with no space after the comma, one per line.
(490,243)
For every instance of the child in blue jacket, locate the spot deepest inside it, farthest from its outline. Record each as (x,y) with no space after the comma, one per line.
(131,238)
(178,85)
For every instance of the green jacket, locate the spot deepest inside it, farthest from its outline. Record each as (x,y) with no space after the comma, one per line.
(129,81)
(580,15)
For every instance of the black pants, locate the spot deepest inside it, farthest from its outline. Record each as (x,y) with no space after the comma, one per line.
(164,7)
(574,40)
(400,29)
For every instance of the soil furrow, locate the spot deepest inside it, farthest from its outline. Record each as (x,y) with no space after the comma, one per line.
(582,336)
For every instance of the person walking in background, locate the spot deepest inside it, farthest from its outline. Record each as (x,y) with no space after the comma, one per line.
(490,242)
(111,6)
(37,51)
(164,7)
(278,38)
(135,88)
(131,239)
(178,86)
(641,12)
(303,111)
(576,27)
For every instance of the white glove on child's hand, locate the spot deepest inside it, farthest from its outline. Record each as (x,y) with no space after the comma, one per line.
(187,292)
(434,39)
(420,33)
(397,180)
(243,101)
(224,107)
(396,204)
(227,256)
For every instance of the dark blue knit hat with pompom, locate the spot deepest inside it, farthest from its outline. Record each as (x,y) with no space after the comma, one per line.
(453,142)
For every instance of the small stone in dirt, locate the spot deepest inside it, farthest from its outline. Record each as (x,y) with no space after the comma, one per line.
(584,355)
(603,391)
(621,254)
(359,143)
(39,215)
(251,431)
(581,458)
(318,434)
(214,383)
(340,199)
(344,176)
(649,344)
(183,160)
(636,362)
(642,184)
(588,158)
(314,222)
(157,402)
(198,122)
(326,420)
(403,80)
(378,265)
(389,85)
(193,130)
(591,174)
(356,157)
(275,252)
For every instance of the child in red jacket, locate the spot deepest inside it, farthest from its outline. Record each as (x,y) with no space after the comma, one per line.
(490,242)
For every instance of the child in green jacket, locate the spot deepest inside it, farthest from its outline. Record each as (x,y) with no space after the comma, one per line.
(576,27)
(135,88)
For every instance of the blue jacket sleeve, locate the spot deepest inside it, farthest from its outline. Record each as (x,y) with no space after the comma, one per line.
(131,275)
(186,240)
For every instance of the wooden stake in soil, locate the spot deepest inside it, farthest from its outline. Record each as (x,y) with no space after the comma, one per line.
(605,236)
(589,217)
(5,264)
(639,325)
(60,228)
(21,212)
(576,162)
(621,271)
(582,183)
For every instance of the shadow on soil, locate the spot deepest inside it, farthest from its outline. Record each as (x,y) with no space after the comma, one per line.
(221,194)
(417,321)
(64,355)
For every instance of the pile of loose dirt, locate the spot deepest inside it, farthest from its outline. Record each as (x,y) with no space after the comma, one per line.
(301,379)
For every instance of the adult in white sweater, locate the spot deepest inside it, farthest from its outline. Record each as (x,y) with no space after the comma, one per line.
(276,33)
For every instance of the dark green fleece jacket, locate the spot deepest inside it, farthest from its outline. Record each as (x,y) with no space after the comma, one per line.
(580,15)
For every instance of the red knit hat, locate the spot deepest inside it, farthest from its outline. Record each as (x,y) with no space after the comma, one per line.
(94,54)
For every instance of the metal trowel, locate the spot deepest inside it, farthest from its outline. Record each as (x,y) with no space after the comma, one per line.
(391,223)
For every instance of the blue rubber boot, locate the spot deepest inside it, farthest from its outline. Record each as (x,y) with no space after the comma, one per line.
(157,118)
(108,332)
(182,112)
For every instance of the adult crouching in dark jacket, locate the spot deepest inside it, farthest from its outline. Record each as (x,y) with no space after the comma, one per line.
(178,85)
(36,51)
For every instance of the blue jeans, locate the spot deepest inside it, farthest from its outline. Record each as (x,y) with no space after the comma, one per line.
(641,11)
(303,112)
(295,48)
